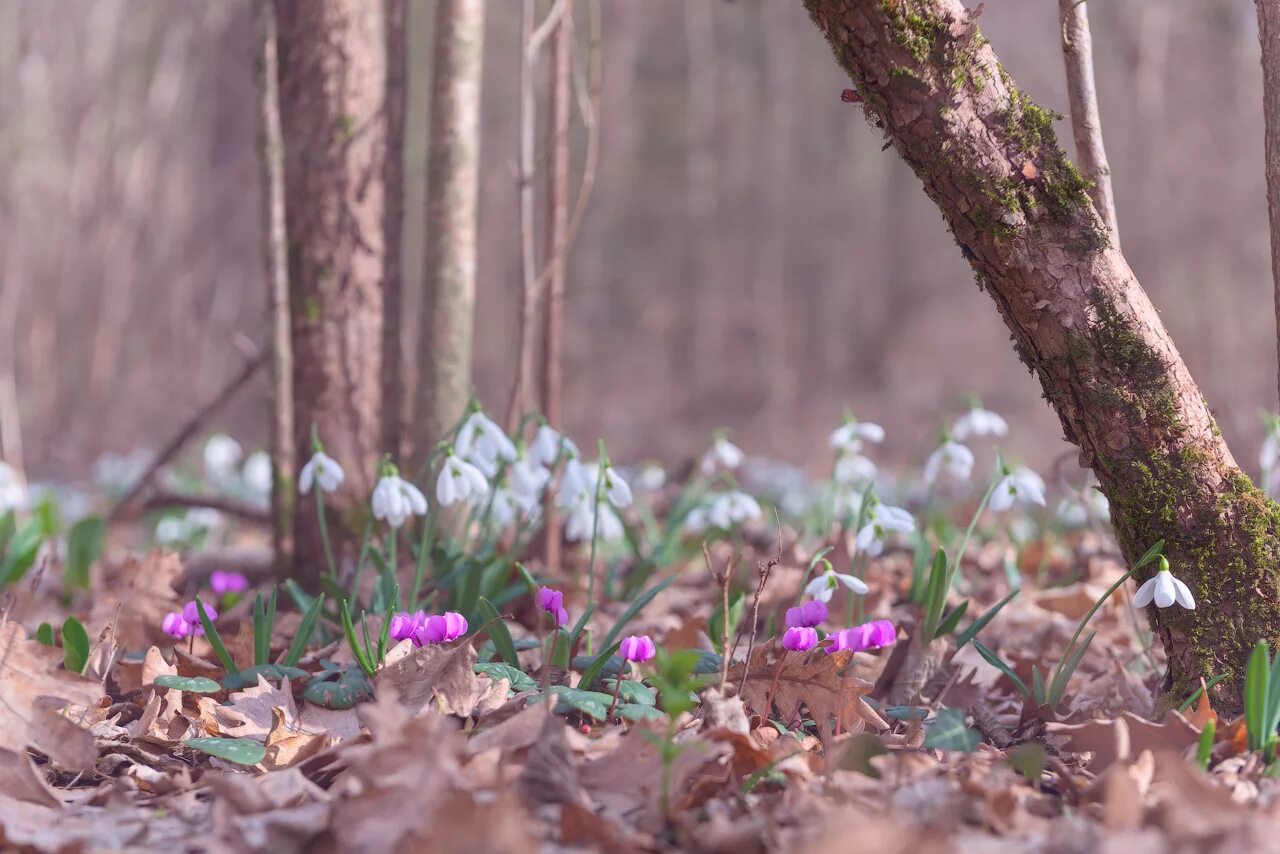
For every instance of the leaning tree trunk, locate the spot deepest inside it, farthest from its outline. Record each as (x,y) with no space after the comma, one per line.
(453,182)
(1269,36)
(332,81)
(1022,215)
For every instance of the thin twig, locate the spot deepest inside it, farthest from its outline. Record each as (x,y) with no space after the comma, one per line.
(764,568)
(723,580)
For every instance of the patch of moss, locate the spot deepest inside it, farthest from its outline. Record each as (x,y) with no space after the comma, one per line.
(917,33)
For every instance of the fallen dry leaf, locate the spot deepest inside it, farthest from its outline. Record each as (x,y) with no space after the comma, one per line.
(439,679)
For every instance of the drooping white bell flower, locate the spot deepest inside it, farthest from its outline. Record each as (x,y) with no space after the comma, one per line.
(1078,509)
(547,445)
(577,481)
(884,519)
(321,469)
(616,488)
(395,500)
(850,435)
(13,492)
(481,437)
(527,477)
(1019,486)
(721,454)
(459,481)
(824,586)
(1164,590)
(979,422)
(581,523)
(952,459)
(256,473)
(650,477)
(697,520)
(221,456)
(854,470)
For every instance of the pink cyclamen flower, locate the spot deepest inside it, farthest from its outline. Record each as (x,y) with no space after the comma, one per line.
(192,616)
(552,601)
(637,648)
(800,639)
(403,625)
(812,613)
(223,583)
(871,635)
(441,628)
(174,626)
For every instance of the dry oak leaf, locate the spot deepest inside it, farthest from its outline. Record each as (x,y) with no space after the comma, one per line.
(1123,737)
(143,591)
(34,686)
(813,680)
(443,680)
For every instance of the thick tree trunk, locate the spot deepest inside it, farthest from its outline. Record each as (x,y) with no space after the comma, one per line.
(332,84)
(1269,36)
(275,250)
(453,173)
(1022,215)
(393,412)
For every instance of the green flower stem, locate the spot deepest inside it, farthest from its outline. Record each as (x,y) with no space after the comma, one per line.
(595,534)
(324,532)
(424,550)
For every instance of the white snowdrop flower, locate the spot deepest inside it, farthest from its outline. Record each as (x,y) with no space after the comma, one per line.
(952,459)
(545,448)
(321,469)
(742,507)
(854,470)
(395,500)
(697,521)
(581,523)
(527,477)
(1099,505)
(1021,485)
(13,492)
(847,503)
(650,478)
(205,518)
(720,514)
(577,481)
(616,488)
(172,530)
(459,480)
(1073,513)
(884,519)
(824,586)
(979,422)
(1164,590)
(1078,509)
(221,456)
(722,453)
(257,473)
(850,435)
(481,437)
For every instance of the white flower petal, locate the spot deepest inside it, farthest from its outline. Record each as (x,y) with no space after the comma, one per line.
(1166,592)
(1145,593)
(1183,594)
(857,585)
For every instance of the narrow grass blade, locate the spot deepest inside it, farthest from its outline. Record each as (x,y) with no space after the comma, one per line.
(499,633)
(299,644)
(981,623)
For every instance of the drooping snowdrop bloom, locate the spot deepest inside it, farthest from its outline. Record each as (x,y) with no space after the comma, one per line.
(322,470)
(697,520)
(811,613)
(1021,485)
(528,477)
(578,481)
(221,456)
(637,648)
(223,583)
(13,492)
(440,628)
(823,587)
(650,478)
(459,481)
(175,626)
(850,435)
(733,508)
(395,499)
(256,473)
(854,470)
(616,488)
(1163,589)
(545,448)
(581,524)
(1079,509)
(871,635)
(480,437)
(552,601)
(722,453)
(952,459)
(884,519)
(800,639)
(979,422)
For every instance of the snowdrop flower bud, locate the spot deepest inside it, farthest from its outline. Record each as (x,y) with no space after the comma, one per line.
(174,626)
(800,639)
(637,648)
(552,601)
(722,453)
(979,422)
(257,473)
(1164,590)
(221,456)
(395,499)
(854,470)
(617,489)
(951,458)
(849,436)
(811,613)
(441,628)
(481,437)
(824,586)
(223,583)
(884,519)
(871,635)
(545,449)
(323,470)
(459,480)
(1021,485)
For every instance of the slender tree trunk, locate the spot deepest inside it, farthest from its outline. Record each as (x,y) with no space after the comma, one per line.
(988,156)
(523,383)
(1086,123)
(557,219)
(393,412)
(332,85)
(1269,35)
(275,250)
(453,177)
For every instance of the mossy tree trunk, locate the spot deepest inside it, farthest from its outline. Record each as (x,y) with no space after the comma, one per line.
(1022,216)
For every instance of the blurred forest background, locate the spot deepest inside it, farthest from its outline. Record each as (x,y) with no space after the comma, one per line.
(749,258)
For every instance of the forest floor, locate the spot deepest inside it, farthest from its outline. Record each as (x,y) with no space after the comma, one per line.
(142,742)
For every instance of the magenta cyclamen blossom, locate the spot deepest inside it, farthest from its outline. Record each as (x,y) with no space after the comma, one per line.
(800,639)
(871,635)
(174,626)
(637,648)
(192,615)
(403,625)
(809,614)
(441,628)
(552,601)
(223,583)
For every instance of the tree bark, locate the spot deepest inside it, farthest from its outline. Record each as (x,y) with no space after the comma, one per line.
(1086,123)
(453,175)
(275,251)
(393,413)
(1269,36)
(1021,213)
(557,220)
(332,85)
